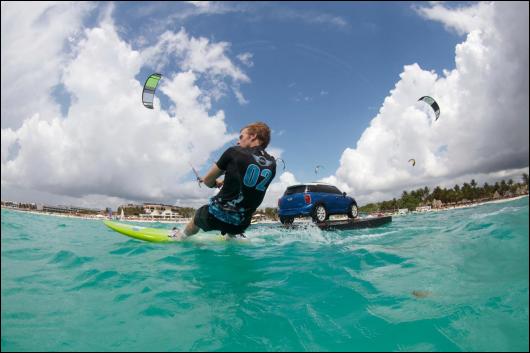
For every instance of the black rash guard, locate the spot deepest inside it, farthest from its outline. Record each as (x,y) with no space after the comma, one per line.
(248,174)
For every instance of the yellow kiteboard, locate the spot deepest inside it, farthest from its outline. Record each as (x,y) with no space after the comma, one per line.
(154,235)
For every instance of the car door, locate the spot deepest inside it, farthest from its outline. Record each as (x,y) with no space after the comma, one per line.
(345,202)
(341,202)
(330,198)
(319,195)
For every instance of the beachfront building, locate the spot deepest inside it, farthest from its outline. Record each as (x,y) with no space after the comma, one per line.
(437,204)
(69,210)
(160,212)
(402,211)
(423,208)
(55,209)
(258,217)
(20,205)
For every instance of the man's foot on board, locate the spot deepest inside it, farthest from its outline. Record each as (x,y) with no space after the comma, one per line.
(176,234)
(237,236)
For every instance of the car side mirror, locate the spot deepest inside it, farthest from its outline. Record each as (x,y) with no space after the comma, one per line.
(344,194)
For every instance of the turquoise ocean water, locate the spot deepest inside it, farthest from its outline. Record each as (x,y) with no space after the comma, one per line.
(73,284)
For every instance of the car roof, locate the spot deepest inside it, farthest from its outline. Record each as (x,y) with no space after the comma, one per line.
(312,183)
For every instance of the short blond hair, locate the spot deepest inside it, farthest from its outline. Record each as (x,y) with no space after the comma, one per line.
(262,132)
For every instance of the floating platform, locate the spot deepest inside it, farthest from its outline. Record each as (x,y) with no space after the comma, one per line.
(348,224)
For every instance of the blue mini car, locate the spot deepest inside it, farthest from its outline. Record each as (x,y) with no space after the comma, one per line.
(317,200)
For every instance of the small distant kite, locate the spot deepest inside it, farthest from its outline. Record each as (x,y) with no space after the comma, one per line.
(279,159)
(413,161)
(148,94)
(431,103)
(317,168)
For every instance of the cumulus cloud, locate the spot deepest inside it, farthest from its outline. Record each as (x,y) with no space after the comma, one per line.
(246,59)
(483,127)
(276,152)
(239,96)
(108,144)
(33,53)
(463,20)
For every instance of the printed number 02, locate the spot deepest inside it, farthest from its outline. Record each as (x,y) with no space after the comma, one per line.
(252,174)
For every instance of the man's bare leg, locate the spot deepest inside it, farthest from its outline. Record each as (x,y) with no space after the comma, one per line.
(189,230)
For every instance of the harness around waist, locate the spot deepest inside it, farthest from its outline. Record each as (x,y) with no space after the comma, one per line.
(231,217)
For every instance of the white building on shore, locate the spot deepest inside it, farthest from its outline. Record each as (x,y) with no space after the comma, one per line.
(423,209)
(161,212)
(402,211)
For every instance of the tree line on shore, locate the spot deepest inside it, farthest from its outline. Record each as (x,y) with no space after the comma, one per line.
(467,193)
(439,197)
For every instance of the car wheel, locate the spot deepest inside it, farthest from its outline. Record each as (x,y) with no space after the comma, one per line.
(353,211)
(320,214)
(287,220)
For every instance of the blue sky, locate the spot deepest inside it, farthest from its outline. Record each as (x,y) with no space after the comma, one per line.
(307,74)
(336,81)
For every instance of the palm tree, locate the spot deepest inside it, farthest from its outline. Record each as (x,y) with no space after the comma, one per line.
(466,191)
(486,190)
(473,184)
(504,187)
(424,193)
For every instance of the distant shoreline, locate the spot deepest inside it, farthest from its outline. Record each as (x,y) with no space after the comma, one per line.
(474,204)
(94,218)
(184,221)
(457,207)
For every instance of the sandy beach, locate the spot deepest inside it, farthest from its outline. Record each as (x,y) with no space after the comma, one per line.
(480,203)
(184,221)
(96,218)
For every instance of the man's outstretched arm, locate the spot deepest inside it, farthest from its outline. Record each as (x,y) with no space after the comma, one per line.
(210,180)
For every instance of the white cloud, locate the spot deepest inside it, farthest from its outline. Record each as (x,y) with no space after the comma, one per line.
(109,147)
(214,8)
(196,8)
(310,17)
(483,126)
(300,97)
(464,19)
(277,133)
(201,4)
(196,54)
(239,96)
(246,59)
(32,43)
(276,152)
(200,56)
(267,10)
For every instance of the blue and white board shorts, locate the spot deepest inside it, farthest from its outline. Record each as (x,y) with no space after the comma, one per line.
(206,221)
